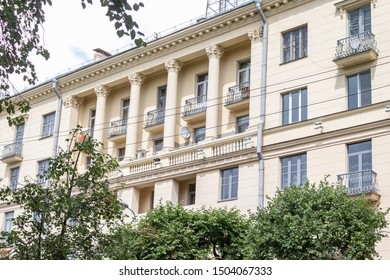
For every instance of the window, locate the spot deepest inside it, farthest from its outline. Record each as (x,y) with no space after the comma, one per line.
(295,44)
(229,183)
(359,165)
(201,85)
(8,221)
(92,119)
(244,73)
(19,133)
(359,90)
(191,193)
(199,134)
(125,109)
(48,124)
(295,106)
(293,170)
(14,178)
(121,154)
(242,124)
(158,145)
(359,20)
(161,102)
(42,167)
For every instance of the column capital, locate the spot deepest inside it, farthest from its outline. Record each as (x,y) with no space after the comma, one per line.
(255,35)
(214,51)
(72,101)
(136,78)
(173,65)
(102,91)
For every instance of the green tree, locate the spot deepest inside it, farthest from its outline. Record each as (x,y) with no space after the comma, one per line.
(316,222)
(20,24)
(65,213)
(171,232)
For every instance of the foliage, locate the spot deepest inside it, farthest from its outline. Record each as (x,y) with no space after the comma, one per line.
(316,222)
(20,24)
(171,232)
(66,216)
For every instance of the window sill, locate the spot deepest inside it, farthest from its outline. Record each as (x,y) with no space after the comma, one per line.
(290,61)
(226,200)
(44,137)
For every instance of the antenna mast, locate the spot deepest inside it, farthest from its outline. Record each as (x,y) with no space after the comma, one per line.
(216,7)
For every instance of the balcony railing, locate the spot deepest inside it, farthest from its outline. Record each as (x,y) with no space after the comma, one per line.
(237,93)
(118,128)
(13,150)
(195,105)
(154,117)
(355,44)
(360,182)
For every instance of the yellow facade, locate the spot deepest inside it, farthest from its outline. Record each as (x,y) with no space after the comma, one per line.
(325,108)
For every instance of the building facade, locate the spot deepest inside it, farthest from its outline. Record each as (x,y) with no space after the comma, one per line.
(182,114)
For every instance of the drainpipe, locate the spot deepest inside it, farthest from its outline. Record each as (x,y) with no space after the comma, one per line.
(57,119)
(262,105)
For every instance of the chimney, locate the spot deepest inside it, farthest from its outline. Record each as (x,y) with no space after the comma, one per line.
(100,54)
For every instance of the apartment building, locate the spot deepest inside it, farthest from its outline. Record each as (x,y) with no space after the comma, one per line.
(182,114)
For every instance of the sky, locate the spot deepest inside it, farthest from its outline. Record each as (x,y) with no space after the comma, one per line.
(71,33)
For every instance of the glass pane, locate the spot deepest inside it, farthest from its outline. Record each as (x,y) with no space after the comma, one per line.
(286,106)
(366,161)
(359,147)
(303,104)
(286,47)
(295,107)
(354,22)
(365,88)
(354,163)
(352,92)
(366,11)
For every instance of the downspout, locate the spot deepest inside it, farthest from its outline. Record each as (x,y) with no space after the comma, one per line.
(57,119)
(262,105)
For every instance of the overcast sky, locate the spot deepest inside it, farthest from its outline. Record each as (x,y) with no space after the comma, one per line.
(71,33)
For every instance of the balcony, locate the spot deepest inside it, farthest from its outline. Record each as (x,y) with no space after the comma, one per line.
(12,153)
(356,49)
(118,130)
(154,120)
(238,97)
(195,108)
(361,183)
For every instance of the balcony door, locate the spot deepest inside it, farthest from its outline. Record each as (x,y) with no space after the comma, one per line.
(19,133)
(360,166)
(161,102)
(359,20)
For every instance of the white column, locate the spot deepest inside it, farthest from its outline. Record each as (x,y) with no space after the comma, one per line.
(71,114)
(130,196)
(136,80)
(173,67)
(255,83)
(214,53)
(102,92)
(167,190)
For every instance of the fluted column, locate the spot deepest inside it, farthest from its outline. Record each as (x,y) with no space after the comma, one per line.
(173,67)
(214,53)
(136,80)
(102,92)
(255,84)
(71,113)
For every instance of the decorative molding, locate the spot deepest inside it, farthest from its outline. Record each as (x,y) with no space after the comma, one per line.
(102,91)
(348,5)
(173,65)
(214,51)
(72,101)
(255,35)
(136,79)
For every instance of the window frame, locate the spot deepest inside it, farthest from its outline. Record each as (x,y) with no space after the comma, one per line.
(197,134)
(160,144)
(229,184)
(191,194)
(125,108)
(92,121)
(245,68)
(360,92)
(43,165)
(202,84)
(289,53)
(14,178)
(121,156)
(48,121)
(8,221)
(240,124)
(302,108)
(289,173)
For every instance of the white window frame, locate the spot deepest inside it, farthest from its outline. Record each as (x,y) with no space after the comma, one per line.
(359,89)
(229,183)
(48,124)
(287,164)
(191,194)
(242,123)
(43,165)
(289,110)
(289,44)
(202,84)
(245,68)
(121,153)
(361,20)
(14,178)
(125,106)
(198,134)
(8,218)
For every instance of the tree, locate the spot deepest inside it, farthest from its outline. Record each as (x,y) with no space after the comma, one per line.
(20,23)
(65,213)
(170,232)
(316,222)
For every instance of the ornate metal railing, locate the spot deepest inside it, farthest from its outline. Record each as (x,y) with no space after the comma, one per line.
(154,117)
(238,93)
(118,128)
(195,105)
(12,150)
(359,182)
(355,44)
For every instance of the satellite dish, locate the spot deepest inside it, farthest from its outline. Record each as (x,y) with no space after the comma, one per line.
(185,132)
